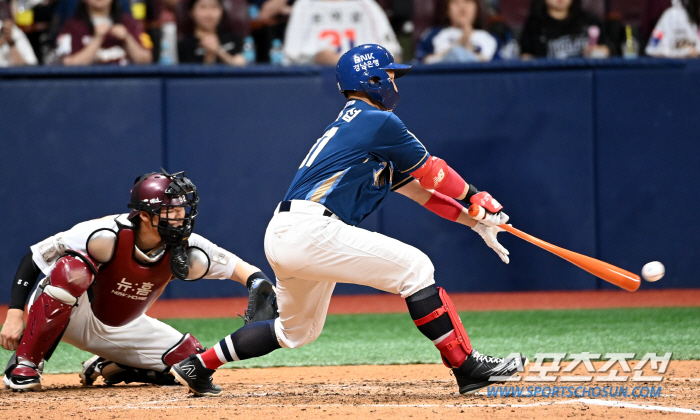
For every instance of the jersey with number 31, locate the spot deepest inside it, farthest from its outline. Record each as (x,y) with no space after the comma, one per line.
(362,156)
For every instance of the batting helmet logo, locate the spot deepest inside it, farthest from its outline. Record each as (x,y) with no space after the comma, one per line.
(363,69)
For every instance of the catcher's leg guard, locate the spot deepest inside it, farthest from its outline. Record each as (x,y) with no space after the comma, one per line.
(182,350)
(454,344)
(49,315)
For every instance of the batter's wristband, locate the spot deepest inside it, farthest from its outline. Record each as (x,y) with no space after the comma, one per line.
(470,193)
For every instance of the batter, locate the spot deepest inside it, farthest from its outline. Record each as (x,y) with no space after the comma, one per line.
(312,241)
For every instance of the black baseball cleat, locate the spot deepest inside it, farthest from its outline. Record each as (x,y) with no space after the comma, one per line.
(480,371)
(92,369)
(193,374)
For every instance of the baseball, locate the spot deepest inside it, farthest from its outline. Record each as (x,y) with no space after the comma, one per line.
(653,271)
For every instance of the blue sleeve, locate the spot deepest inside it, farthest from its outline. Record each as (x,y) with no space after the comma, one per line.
(395,143)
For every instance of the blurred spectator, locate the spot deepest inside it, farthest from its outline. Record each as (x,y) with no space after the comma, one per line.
(464,40)
(33,18)
(101,33)
(650,15)
(208,43)
(562,29)
(15,49)
(508,48)
(168,28)
(268,22)
(319,31)
(147,13)
(234,19)
(676,33)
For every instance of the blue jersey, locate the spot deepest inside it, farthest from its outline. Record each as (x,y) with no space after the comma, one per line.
(360,158)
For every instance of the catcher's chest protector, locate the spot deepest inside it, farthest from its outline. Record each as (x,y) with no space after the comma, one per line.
(125,288)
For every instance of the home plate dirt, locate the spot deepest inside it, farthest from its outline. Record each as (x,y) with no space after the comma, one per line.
(350,392)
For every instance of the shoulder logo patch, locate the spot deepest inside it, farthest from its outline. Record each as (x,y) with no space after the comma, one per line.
(351,114)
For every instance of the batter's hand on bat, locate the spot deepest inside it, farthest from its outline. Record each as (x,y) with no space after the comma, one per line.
(12,329)
(492,220)
(488,234)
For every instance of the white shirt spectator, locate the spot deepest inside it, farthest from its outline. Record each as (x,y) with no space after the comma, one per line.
(484,44)
(317,25)
(674,35)
(23,47)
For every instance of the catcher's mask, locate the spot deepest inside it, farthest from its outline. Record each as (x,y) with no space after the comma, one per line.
(156,192)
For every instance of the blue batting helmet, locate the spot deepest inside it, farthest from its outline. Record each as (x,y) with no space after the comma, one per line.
(363,69)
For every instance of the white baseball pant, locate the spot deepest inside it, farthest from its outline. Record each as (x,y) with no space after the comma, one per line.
(140,343)
(310,253)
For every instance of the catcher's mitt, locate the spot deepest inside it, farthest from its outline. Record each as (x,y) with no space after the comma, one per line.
(262,302)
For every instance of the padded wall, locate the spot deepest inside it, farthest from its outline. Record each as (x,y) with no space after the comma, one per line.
(597,157)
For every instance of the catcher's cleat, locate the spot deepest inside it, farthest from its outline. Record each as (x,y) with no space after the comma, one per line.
(262,302)
(24,376)
(480,371)
(193,374)
(92,369)
(113,373)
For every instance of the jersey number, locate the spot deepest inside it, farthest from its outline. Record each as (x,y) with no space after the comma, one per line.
(336,38)
(318,146)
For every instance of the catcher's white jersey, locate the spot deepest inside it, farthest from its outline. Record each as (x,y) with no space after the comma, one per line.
(46,253)
(674,35)
(316,25)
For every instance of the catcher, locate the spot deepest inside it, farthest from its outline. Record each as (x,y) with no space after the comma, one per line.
(101,277)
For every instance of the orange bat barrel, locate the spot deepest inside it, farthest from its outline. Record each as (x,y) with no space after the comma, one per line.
(608,272)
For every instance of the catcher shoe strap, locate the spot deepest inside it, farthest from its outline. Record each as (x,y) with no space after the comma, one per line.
(431,316)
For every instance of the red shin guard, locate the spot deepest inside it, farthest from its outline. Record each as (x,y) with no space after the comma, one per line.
(455,348)
(48,317)
(182,350)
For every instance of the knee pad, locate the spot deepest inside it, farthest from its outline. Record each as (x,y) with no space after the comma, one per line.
(72,274)
(187,345)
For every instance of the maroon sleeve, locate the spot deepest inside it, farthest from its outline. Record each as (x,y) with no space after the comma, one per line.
(136,30)
(70,38)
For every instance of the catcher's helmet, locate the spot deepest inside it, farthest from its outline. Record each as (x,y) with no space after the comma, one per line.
(363,69)
(157,191)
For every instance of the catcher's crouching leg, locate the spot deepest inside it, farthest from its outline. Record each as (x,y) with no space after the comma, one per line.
(48,318)
(113,373)
(262,299)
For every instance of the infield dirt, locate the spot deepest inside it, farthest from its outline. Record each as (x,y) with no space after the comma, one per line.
(345,392)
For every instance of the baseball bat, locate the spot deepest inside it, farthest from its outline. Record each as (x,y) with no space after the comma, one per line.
(608,272)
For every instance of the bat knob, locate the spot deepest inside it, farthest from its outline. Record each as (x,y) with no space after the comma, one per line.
(476,212)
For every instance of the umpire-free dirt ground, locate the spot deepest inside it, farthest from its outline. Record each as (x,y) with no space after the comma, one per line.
(369,392)
(344,392)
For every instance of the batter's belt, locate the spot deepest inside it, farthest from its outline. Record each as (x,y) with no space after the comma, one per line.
(305,207)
